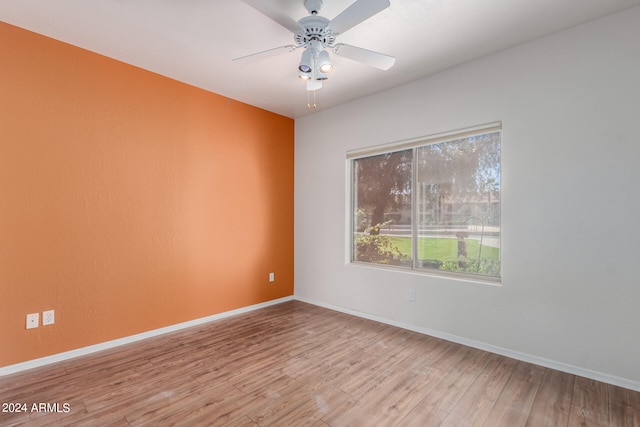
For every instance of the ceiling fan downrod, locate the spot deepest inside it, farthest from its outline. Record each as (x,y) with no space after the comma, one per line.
(313,6)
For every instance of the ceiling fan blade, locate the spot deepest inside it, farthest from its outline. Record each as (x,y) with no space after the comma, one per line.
(359,11)
(369,57)
(271,10)
(266,54)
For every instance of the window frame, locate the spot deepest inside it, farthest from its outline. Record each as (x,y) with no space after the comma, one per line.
(415,144)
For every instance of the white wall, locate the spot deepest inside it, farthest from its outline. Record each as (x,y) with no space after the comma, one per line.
(570,296)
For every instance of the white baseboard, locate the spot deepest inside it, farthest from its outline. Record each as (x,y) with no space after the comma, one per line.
(594,375)
(547,363)
(18,367)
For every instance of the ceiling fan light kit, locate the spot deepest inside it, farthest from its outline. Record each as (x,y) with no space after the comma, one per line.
(306,62)
(317,34)
(324,63)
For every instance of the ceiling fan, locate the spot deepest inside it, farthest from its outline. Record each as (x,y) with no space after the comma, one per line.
(317,34)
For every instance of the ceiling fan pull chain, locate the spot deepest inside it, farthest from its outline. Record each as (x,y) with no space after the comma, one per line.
(316,36)
(309,99)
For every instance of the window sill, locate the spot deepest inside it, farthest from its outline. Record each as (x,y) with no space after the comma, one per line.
(461,277)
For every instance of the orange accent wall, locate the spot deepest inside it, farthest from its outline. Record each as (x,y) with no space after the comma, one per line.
(130,201)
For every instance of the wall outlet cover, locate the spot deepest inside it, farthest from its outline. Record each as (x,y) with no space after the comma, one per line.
(48,317)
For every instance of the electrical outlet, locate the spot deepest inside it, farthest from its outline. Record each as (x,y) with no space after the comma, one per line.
(412,295)
(33,320)
(272,277)
(48,317)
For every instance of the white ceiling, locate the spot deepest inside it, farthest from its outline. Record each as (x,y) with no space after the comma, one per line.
(194,41)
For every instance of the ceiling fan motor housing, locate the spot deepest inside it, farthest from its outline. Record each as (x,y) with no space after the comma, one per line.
(315,28)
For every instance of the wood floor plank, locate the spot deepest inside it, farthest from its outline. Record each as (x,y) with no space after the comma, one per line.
(105,418)
(389,401)
(624,407)
(440,401)
(295,364)
(552,404)
(513,406)
(276,400)
(13,384)
(221,407)
(474,406)
(308,408)
(589,404)
(12,419)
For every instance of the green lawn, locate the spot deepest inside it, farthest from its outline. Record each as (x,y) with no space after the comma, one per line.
(444,249)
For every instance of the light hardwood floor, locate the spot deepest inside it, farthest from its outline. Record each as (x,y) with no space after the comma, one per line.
(295,364)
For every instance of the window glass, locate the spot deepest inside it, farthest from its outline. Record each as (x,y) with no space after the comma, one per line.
(382,208)
(458,205)
(432,206)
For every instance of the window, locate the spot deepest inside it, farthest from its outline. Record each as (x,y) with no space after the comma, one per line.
(431,204)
